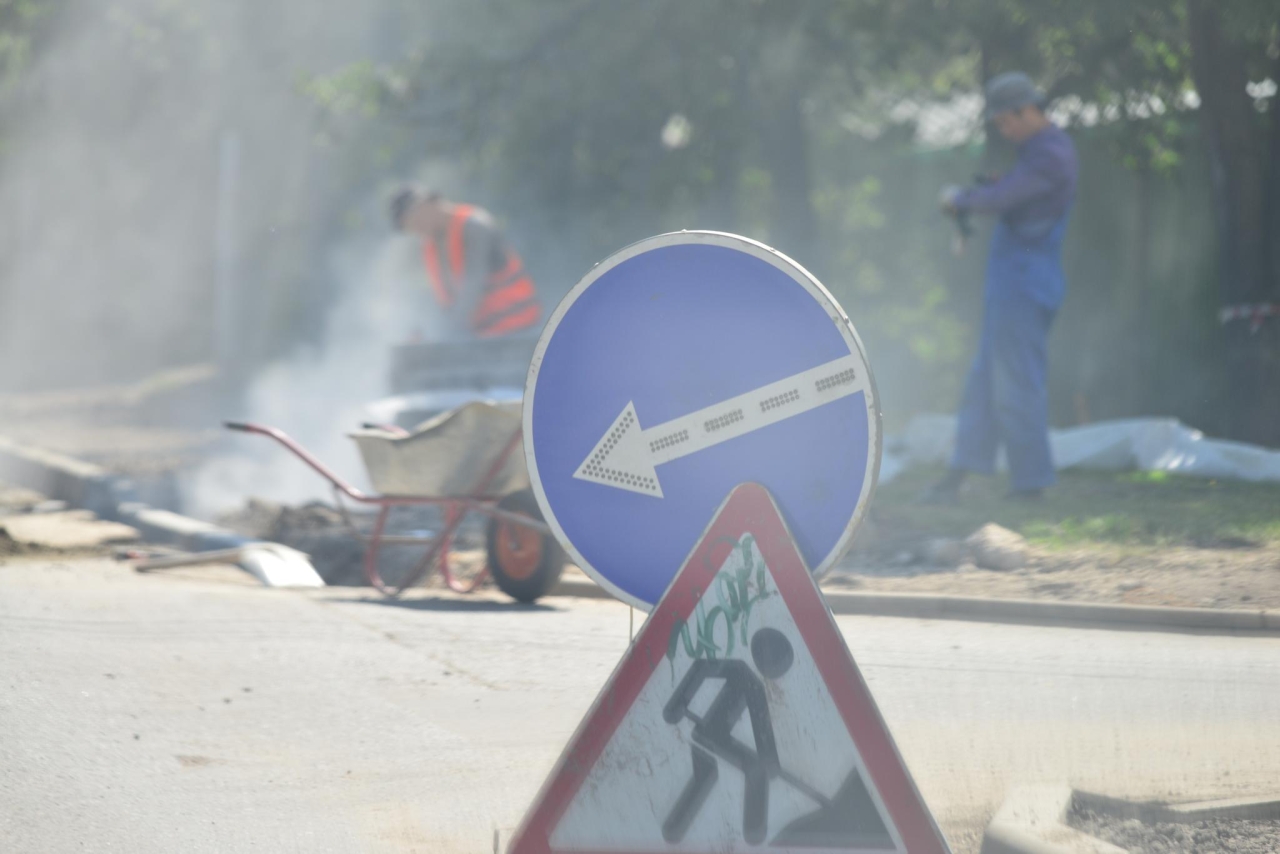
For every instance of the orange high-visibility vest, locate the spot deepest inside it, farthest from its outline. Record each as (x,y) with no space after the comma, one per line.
(510,303)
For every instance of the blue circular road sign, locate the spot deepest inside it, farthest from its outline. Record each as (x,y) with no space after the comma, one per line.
(678,368)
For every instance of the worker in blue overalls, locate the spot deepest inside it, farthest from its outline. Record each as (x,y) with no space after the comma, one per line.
(1006,399)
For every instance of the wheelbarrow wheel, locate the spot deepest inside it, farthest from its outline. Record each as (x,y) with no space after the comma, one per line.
(524,562)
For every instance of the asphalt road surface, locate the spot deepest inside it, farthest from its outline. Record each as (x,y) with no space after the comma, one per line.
(195,711)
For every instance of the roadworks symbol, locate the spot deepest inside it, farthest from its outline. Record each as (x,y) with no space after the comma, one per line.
(737,721)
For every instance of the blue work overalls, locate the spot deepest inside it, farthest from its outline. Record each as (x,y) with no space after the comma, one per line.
(1006,397)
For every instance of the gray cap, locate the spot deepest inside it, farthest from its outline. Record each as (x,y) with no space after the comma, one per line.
(1012,90)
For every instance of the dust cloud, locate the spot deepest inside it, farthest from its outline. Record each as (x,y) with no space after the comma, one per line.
(168,198)
(109,184)
(319,392)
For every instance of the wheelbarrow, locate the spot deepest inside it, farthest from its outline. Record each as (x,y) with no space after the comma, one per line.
(465,461)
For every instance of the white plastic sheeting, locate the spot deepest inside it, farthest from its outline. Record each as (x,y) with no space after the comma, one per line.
(1146,444)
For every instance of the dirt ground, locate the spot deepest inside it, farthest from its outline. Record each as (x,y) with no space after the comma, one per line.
(1182,576)
(1173,576)
(1217,836)
(320,531)
(1127,537)
(884,559)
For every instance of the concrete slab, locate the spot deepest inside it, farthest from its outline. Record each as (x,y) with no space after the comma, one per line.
(67,530)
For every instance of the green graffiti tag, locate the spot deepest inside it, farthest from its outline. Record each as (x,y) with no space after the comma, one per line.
(737,591)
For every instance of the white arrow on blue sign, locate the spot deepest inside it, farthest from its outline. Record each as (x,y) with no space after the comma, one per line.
(677,369)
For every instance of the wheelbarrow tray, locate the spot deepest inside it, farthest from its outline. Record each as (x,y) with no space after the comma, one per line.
(446,455)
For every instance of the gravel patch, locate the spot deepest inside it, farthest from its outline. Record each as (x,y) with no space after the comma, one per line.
(1215,836)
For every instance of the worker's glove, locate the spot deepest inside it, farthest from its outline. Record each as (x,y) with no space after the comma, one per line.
(948,197)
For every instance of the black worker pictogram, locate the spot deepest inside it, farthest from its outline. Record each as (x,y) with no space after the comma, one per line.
(743,691)
(849,818)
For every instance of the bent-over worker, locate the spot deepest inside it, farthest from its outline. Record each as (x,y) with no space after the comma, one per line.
(478,281)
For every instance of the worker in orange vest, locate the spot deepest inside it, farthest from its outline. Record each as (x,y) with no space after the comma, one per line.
(477,279)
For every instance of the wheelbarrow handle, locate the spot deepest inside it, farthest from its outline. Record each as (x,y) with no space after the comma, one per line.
(301,453)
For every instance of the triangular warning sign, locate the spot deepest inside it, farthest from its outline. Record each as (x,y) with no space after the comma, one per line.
(736,721)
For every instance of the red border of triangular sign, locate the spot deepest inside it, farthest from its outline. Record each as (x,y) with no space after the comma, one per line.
(748,509)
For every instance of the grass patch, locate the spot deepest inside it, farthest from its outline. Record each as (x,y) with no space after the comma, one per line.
(1092,508)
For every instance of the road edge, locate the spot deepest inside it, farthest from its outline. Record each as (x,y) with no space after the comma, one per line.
(1263,808)
(110,496)
(926,606)
(88,486)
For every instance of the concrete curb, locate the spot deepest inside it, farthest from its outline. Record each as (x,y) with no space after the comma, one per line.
(111,496)
(1034,612)
(1020,611)
(62,478)
(1032,820)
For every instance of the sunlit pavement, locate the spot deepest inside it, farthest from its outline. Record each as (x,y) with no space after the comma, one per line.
(193,711)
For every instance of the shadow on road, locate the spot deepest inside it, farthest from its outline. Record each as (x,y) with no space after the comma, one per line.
(440,603)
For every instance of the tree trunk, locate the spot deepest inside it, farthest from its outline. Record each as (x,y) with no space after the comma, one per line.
(727,130)
(994,149)
(784,138)
(793,223)
(1238,161)
(1273,193)
(719,210)
(1140,340)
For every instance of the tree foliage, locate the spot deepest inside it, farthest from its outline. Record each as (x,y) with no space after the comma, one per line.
(24,27)
(590,124)
(775,118)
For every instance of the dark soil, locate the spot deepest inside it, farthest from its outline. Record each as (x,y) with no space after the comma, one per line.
(9,547)
(319,530)
(1238,836)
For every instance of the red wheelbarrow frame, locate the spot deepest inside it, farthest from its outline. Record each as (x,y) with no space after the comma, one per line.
(456,508)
